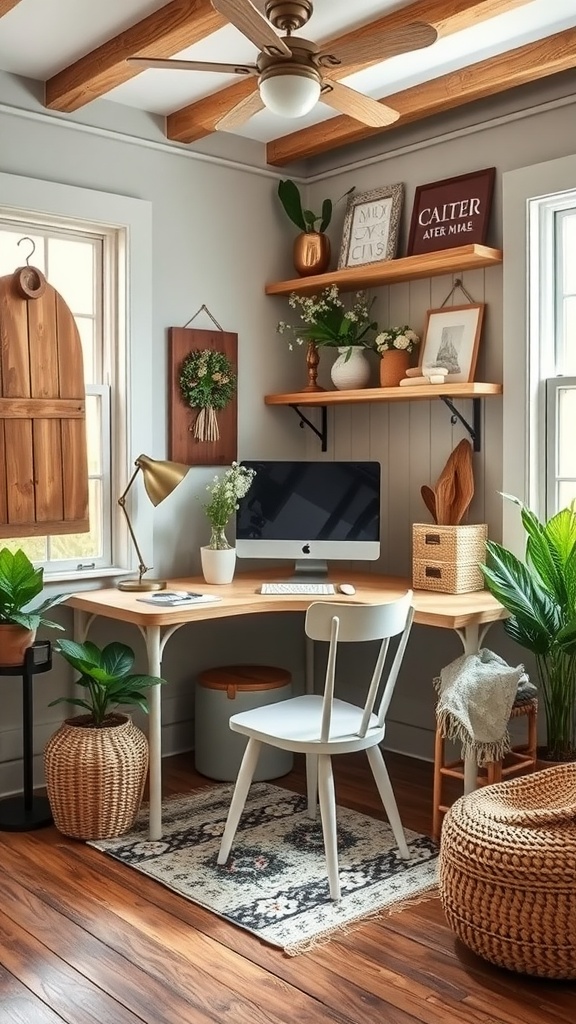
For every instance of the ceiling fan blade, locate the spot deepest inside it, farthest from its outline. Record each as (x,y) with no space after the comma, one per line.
(173,64)
(362,108)
(245,17)
(241,113)
(380,45)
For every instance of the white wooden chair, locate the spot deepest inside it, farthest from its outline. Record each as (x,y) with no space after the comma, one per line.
(321,725)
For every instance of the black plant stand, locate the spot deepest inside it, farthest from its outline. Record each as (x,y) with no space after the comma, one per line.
(25,812)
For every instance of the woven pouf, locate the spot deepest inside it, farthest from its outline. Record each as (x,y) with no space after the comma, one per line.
(508,872)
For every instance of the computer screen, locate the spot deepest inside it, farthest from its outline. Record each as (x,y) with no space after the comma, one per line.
(310,512)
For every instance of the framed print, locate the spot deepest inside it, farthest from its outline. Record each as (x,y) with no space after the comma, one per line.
(451,212)
(451,340)
(371,226)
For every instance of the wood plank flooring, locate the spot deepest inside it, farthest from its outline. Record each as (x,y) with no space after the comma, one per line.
(86,940)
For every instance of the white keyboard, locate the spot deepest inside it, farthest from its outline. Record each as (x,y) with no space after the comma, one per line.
(315,589)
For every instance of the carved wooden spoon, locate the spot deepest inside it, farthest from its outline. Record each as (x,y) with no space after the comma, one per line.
(429,499)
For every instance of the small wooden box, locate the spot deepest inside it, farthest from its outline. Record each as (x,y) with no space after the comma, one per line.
(446,558)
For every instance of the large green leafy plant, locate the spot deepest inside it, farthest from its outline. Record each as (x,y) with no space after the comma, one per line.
(107,678)
(540,594)
(20,583)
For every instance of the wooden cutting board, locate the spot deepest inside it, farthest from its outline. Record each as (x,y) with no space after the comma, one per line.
(43,458)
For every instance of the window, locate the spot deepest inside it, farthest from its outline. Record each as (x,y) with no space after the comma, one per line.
(120,227)
(554,279)
(80,262)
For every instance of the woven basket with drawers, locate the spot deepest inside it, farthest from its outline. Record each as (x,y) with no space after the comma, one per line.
(446,558)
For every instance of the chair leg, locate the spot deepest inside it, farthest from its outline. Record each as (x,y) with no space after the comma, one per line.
(328,815)
(380,773)
(243,782)
(312,783)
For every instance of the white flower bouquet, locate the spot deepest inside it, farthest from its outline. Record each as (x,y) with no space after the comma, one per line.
(403,338)
(223,502)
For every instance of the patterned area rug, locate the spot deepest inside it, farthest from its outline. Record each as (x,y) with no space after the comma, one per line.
(274,884)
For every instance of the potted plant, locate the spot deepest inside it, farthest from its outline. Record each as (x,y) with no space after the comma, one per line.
(540,594)
(395,346)
(312,245)
(96,763)
(20,583)
(218,556)
(328,323)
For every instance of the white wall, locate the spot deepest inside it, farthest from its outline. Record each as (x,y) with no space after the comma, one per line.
(218,235)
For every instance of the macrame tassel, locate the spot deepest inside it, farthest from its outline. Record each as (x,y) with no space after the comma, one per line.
(206,425)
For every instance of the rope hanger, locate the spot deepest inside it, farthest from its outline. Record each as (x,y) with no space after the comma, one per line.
(457,284)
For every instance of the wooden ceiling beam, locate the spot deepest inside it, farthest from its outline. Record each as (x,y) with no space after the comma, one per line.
(167,31)
(7,5)
(517,67)
(198,119)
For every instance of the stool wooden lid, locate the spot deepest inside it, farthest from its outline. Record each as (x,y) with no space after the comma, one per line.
(244,677)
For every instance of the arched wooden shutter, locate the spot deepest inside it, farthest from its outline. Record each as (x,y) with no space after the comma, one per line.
(43,458)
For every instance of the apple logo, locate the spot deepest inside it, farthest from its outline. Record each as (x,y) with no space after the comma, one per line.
(306,549)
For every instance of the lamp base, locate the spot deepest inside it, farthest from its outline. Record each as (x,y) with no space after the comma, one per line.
(141,585)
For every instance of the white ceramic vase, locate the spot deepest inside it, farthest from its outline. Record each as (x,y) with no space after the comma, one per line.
(218,565)
(350,372)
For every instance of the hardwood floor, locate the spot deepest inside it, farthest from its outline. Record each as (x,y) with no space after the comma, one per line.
(86,940)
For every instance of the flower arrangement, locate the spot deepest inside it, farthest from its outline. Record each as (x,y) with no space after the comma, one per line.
(224,495)
(207,382)
(396,337)
(306,220)
(327,321)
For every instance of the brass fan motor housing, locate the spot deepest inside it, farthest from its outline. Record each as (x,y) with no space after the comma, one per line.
(288,15)
(302,62)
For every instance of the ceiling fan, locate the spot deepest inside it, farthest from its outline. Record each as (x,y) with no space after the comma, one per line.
(288,73)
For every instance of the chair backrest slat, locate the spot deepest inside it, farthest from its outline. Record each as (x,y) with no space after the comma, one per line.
(354,623)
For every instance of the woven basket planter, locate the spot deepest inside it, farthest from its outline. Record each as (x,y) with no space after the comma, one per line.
(95,777)
(507,872)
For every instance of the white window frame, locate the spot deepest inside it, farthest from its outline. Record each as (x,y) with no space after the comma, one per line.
(530,196)
(132,220)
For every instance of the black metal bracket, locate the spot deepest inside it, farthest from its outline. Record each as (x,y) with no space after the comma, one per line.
(473,429)
(323,432)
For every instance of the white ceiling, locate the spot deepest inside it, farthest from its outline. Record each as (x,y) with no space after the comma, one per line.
(38,38)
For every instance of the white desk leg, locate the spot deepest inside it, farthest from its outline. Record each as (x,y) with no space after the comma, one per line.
(152,638)
(471,637)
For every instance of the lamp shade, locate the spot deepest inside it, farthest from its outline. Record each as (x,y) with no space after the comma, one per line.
(160,478)
(289,95)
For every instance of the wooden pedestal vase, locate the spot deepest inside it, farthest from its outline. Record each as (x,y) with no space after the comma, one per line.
(95,776)
(393,366)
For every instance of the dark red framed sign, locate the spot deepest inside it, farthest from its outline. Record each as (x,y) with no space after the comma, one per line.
(452,212)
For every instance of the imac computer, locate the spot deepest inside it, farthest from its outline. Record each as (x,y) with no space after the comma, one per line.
(310,512)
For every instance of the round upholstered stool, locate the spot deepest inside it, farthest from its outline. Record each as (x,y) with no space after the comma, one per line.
(225,691)
(508,875)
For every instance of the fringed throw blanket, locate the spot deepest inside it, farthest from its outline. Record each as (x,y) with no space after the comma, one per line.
(476,694)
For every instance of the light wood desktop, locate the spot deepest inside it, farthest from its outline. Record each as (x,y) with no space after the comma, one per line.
(470,615)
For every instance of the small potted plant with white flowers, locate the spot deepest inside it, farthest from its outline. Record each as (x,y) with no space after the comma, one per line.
(218,556)
(395,346)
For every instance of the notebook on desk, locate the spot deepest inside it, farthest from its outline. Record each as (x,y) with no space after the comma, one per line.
(178,598)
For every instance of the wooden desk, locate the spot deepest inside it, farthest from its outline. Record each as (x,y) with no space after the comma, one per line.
(470,615)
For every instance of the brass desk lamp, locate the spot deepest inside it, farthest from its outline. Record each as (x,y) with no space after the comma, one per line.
(160,479)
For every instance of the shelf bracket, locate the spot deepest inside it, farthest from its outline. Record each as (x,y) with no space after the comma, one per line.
(474,429)
(323,432)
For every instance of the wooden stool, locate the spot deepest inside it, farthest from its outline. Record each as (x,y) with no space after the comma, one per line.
(519,758)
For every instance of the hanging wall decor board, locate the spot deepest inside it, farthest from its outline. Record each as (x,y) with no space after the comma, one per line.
(43,458)
(184,446)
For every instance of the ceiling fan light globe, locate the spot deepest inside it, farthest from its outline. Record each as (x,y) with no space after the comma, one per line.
(289,95)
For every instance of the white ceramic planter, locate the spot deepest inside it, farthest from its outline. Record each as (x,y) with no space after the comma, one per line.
(350,372)
(218,565)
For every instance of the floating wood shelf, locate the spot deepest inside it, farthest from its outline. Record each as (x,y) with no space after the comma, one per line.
(446,392)
(409,268)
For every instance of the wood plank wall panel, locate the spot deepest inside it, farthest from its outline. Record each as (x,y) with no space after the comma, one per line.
(414,439)
(3,477)
(42,413)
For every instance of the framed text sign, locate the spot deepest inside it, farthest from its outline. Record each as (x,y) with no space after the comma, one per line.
(451,212)
(371,226)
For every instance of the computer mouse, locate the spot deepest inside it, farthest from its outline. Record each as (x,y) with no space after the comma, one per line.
(347,588)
